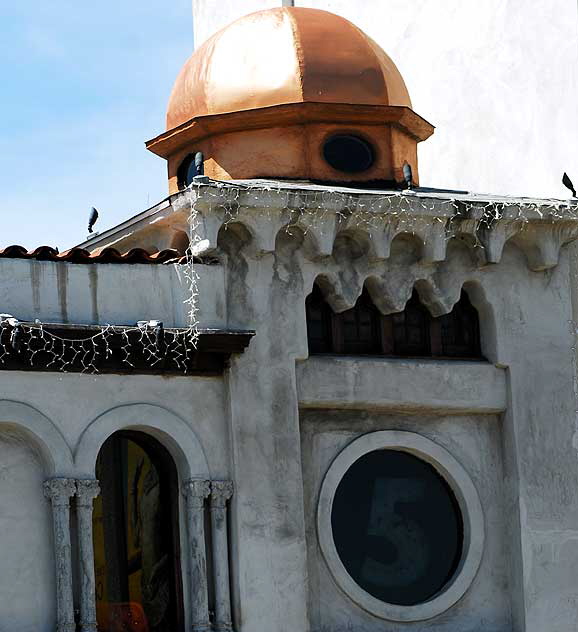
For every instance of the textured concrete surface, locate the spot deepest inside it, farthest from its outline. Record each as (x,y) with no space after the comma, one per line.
(250,429)
(401,385)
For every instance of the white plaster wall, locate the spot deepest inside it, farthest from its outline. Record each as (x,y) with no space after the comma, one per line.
(532,505)
(498,79)
(27,587)
(72,401)
(117,294)
(248,423)
(70,404)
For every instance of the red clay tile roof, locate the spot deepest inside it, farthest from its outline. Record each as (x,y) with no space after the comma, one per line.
(101,255)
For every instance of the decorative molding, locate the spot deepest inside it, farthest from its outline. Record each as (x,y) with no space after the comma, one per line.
(221,492)
(59,490)
(86,492)
(267,208)
(196,491)
(542,244)
(287,114)
(176,434)
(490,222)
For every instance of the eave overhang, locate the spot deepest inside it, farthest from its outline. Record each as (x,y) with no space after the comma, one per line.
(286,115)
(72,348)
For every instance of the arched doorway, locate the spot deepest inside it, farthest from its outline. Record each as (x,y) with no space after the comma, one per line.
(136,543)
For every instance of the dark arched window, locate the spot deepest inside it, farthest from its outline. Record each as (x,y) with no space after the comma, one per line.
(411,335)
(135,531)
(360,328)
(363,330)
(353,332)
(460,330)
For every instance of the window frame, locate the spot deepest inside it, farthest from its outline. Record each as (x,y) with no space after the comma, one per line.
(469,504)
(384,339)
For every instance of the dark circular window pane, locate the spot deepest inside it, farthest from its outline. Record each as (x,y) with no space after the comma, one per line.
(397,527)
(350,154)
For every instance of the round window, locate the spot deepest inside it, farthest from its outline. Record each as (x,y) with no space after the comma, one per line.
(400,525)
(348,153)
(397,527)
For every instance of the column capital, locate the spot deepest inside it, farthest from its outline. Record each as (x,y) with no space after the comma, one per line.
(86,491)
(221,492)
(59,490)
(196,490)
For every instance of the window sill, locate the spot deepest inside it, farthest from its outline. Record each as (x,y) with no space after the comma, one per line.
(401,384)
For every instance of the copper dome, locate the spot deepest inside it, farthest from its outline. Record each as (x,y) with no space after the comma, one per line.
(290,93)
(282,56)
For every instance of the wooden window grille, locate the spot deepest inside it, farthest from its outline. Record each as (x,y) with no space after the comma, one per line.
(363,330)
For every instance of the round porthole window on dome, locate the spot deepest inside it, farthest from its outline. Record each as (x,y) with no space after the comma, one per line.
(348,153)
(397,527)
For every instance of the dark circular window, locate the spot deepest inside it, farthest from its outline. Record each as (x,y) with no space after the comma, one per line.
(347,153)
(397,527)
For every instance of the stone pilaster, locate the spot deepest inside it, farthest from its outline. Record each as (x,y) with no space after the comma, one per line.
(221,492)
(196,491)
(87,491)
(59,491)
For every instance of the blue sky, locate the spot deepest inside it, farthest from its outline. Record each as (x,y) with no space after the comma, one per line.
(83,85)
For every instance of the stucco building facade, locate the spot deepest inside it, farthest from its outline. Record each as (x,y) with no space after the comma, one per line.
(303,393)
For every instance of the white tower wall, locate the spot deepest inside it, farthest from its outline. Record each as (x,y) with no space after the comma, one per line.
(498,79)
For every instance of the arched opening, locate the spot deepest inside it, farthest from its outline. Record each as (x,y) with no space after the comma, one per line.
(135,532)
(413,332)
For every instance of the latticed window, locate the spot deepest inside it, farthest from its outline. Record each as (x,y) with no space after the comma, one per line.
(363,330)
(358,329)
(411,336)
(460,333)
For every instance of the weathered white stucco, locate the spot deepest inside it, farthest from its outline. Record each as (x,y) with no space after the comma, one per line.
(27,577)
(277,419)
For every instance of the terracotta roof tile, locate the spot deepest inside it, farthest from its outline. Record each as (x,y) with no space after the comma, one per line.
(101,255)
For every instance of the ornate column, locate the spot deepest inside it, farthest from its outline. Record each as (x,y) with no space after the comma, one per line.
(59,491)
(86,492)
(196,491)
(221,491)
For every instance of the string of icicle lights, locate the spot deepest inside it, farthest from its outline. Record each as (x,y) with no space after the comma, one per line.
(148,345)
(307,206)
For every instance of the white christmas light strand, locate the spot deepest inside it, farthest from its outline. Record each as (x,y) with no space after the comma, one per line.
(368,210)
(191,276)
(41,348)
